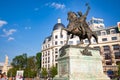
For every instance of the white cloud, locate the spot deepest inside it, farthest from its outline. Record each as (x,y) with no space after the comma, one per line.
(2,23)
(11,39)
(56,5)
(9,32)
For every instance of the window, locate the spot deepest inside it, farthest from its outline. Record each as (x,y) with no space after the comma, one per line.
(112,31)
(46,46)
(56,56)
(70,42)
(55,42)
(109,63)
(107,56)
(86,41)
(96,21)
(117,55)
(103,33)
(78,42)
(61,42)
(116,47)
(61,36)
(106,48)
(114,38)
(56,36)
(56,50)
(94,40)
(104,39)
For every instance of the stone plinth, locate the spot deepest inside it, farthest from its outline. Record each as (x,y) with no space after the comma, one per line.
(73,65)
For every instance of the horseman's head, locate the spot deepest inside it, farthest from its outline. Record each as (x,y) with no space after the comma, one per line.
(71,16)
(79,13)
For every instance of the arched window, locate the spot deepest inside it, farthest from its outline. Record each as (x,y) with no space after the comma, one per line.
(112,31)
(103,32)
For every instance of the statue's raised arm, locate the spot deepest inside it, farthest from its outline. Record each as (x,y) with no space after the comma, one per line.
(88,9)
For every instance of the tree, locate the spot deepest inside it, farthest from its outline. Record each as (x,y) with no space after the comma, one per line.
(22,62)
(53,71)
(28,73)
(12,72)
(44,73)
(30,70)
(31,63)
(38,62)
(119,69)
(19,61)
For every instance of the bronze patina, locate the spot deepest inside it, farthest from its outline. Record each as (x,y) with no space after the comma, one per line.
(78,26)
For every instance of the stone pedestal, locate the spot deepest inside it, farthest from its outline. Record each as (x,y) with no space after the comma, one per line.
(73,65)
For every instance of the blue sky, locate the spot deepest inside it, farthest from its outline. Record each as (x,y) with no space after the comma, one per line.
(24,24)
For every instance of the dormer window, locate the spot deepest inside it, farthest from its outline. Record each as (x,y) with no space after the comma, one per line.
(112,31)
(103,33)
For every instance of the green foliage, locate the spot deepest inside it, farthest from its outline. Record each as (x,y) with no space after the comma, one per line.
(44,72)
(53,71)
(38,62)
(29,73)
(12,72)
(31,63)
(19,61)
(119,69)
(28,64)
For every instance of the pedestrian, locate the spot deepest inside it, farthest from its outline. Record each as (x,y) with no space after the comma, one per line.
(0,76)
(118,78)
(4,77)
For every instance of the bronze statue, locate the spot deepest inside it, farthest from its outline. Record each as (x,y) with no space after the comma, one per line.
(79,27)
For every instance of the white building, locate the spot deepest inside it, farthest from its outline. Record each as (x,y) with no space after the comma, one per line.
(96,24)
(52,44)
(4,66)
(109,44)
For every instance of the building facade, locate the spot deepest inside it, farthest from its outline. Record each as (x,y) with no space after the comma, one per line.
(4,66)
(108,38)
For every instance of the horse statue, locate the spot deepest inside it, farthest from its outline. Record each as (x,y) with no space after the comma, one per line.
(79,27)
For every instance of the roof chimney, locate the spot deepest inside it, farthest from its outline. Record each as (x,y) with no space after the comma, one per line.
(59,20)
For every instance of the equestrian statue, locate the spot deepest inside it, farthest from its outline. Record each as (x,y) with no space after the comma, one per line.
(79,27)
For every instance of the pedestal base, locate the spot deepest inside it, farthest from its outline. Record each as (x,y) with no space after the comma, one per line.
(73,65)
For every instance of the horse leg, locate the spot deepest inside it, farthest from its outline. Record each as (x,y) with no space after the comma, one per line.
(68,37)
(95,36)
(89,39)
(81,41)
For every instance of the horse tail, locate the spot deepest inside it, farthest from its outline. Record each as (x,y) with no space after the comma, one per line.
(95,36)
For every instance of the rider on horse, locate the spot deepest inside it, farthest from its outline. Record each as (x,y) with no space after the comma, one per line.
(80,21)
